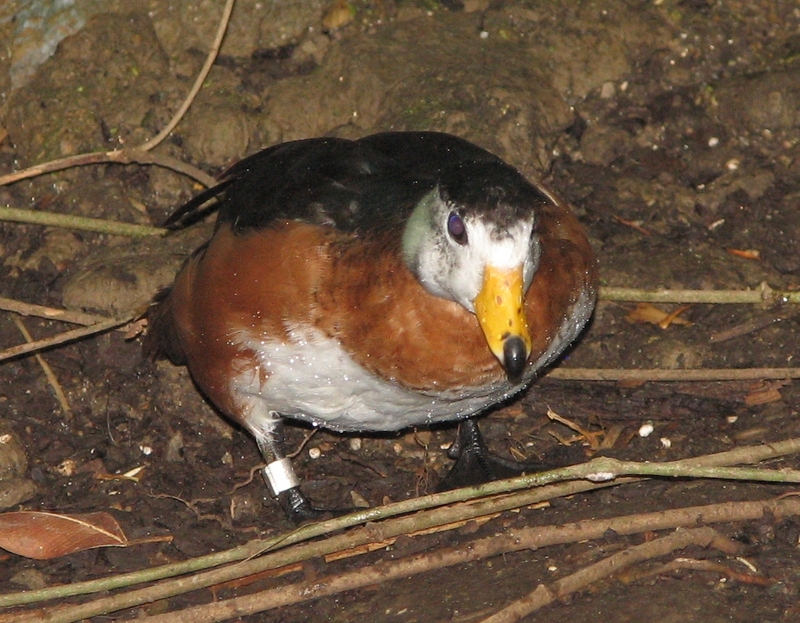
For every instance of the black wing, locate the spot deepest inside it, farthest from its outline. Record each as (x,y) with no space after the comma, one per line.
(364,185)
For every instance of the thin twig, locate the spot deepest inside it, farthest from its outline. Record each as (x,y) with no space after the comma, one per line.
(753,325)
(657,374)
(51,313)
(763,295)
(48,371)
(61,338)
(198,83)
(118,156)
(702,565)
(544,595)
(82,223)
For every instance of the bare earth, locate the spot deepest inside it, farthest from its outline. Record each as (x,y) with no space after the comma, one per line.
(672,127)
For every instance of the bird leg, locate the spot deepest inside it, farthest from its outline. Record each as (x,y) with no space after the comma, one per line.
(474,464)
(280,476)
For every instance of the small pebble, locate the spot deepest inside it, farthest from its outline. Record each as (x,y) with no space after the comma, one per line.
(31,579)
(733,164)
(359,501)
(646,429)
(314,453)
(67,467)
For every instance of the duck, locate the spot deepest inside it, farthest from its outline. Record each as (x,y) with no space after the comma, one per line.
(395,281)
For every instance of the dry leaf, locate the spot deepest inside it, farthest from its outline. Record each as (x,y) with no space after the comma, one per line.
(97,468)
(762,397)
(135,329)
(422,438)
(42,535)
(611,436)
(646,312)
(637,225)
(592,439)
(766,392)
(563,439)
(748,254)
(518,456)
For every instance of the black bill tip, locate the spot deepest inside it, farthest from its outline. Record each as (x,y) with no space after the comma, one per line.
(515,356)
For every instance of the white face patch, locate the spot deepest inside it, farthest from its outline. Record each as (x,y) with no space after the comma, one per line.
(505,250)
(487,246)
(454,271)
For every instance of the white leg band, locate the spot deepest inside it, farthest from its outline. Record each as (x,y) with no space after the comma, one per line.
(280,476)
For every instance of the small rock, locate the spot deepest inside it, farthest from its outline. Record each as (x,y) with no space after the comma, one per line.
(338,14)
(219,135)
(359,501)
(31,579)
(601,145)
(245,507)
(16,491)
(608,90)
(174,451)
(13,460)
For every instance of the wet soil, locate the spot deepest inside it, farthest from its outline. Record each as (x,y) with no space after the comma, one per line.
(672,127)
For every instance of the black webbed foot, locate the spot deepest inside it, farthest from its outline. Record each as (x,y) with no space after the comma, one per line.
(475,465)
(300,510)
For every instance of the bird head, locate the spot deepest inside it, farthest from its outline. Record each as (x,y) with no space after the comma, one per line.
(472,239)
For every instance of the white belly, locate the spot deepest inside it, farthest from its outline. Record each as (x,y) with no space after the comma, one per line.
(312,378)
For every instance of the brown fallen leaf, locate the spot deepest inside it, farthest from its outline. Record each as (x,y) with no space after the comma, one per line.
(42,535)
(637,225)
(135,329)
(646,312)
(747,254)
(590,438)
(764,393)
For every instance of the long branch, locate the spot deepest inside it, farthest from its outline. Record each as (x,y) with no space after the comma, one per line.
(659,374)
(763,295)
(61,338)
(255,559)
(543,594)
(119,156)
(510,540)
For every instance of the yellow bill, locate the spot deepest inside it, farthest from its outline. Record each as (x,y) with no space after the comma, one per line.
(500,309)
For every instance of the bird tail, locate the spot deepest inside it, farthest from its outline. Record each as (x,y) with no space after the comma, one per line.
(161,339)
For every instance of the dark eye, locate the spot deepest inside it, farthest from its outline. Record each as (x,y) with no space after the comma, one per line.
(456,228)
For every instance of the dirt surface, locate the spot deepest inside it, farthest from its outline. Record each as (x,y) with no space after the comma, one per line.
(672,127)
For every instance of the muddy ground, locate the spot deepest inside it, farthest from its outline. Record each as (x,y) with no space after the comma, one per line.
(672,127)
